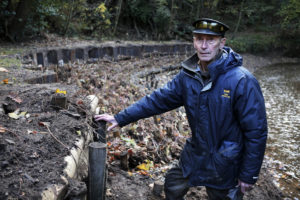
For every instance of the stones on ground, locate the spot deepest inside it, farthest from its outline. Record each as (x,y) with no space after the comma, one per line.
(2,112)
(2,69)
(10,105)
(4,164)
(34,181)
(10,141)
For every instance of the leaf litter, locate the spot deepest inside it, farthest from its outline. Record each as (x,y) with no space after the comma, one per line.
(150,145)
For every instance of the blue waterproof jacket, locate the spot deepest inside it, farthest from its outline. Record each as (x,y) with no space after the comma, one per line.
(226,115)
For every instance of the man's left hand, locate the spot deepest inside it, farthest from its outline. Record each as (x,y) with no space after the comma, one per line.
(245,187)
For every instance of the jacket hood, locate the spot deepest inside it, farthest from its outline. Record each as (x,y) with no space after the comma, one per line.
(227,60)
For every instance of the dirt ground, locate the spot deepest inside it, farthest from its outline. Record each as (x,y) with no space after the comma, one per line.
(33,146)
(36,138)
(124,186)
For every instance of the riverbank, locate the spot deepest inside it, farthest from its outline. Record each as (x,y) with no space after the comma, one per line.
(254,62)
(99,78)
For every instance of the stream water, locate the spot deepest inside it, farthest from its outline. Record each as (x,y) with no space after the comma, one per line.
(281,87)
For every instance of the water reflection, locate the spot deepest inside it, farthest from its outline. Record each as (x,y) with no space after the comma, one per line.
(281,86)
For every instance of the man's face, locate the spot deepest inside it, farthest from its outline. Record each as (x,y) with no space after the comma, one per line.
(208,46)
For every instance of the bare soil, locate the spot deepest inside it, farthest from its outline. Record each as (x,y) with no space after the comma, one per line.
(33,147)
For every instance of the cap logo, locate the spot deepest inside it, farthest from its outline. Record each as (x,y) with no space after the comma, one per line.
(209,25)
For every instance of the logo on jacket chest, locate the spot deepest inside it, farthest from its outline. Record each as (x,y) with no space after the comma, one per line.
(226,94)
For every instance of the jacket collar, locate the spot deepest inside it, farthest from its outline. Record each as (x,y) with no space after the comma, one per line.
(191,63)
(225,61)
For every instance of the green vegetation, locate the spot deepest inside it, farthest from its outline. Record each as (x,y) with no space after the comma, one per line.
(9,61)
(8,56)
(6,51)
(269,24)
(254,42)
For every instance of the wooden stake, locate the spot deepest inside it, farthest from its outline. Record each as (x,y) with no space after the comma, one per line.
(124,160)
(97,168)
(158,188)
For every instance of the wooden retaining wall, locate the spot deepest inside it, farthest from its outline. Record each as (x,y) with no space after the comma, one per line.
(52,56)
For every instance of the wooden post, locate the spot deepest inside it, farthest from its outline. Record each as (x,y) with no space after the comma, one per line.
(101,131)
(97,171)
(124,160)
(158,188)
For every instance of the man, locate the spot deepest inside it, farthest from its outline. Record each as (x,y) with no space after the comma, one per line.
(226,114)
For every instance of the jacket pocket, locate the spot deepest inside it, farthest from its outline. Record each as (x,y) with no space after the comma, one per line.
(204,170)
(226,159)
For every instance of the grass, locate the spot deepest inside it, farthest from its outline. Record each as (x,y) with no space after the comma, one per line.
(8,56)
(9,61)
(8,50)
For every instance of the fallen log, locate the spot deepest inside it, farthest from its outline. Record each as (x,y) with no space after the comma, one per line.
(160,70)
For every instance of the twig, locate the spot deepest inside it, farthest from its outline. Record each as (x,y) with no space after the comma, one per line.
(12,133)
(63,145)
(56,138)
(20,180)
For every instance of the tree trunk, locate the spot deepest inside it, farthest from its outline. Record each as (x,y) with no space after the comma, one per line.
(171,18)
(7,20)
(118,16)
(136,29)
(15,29)
(70,14)
(151,27)
(198,9)
(239,20)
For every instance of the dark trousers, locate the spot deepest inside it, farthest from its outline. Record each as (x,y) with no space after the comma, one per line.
(176,186)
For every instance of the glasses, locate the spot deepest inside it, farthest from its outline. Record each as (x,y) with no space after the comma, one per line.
(209,25)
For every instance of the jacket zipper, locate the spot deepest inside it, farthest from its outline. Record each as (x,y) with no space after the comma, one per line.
(197,106)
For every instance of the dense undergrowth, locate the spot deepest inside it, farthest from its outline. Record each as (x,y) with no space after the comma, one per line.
(265,43)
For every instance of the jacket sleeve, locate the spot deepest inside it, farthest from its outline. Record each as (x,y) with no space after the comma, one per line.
(161,100)
(251,114)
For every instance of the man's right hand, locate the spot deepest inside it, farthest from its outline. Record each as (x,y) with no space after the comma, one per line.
(108,118)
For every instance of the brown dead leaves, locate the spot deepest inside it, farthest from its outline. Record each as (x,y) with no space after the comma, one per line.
(15,98)
(118,85)
(2,129)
